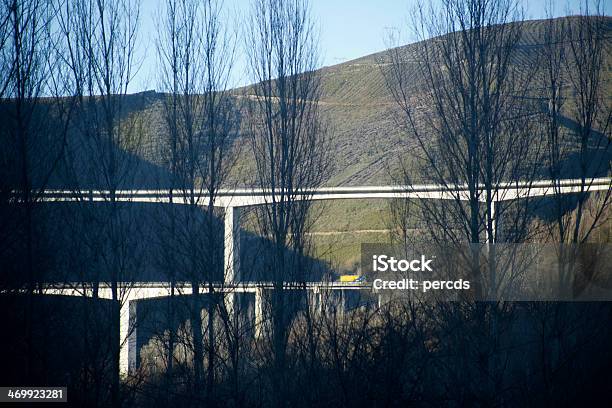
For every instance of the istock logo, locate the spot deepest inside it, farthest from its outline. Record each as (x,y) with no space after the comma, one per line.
(384,263)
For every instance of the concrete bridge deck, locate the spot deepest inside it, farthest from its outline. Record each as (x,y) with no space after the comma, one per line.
(243,197)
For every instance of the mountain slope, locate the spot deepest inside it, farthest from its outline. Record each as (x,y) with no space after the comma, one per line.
(360,110)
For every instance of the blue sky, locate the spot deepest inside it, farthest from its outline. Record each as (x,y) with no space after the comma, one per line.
(348,29)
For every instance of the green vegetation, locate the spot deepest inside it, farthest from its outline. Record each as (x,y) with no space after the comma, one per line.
(350,215)
(342,250)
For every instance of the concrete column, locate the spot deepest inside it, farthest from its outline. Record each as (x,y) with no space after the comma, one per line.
(232,244)
(259,312)
(490,242)
(126,321)
(493,221)
(314,300)
(231,254)
(489,239)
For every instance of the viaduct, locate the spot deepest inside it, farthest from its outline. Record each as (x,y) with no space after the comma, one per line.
(233,200)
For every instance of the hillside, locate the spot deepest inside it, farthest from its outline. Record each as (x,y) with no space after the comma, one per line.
(360,111)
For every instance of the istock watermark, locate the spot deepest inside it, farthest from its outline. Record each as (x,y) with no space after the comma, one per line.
(424,285)
(498,272)
(383,263)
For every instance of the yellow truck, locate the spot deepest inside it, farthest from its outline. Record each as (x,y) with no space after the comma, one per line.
(352,278)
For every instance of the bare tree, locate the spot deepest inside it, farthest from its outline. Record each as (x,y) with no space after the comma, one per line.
(33,135)
(463,93)
(578,124)
(5,60)
(574,90)
(289,144)
(26,79)
(196,53)
(100,48)
(476,130)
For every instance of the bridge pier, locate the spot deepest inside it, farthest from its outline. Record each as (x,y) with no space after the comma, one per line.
(231,253)
(259,312)
(126,342)
(493,220)
(314,300)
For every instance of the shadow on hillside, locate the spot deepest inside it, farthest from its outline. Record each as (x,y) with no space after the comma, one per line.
(60,157)
(141,242)
(598,157)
